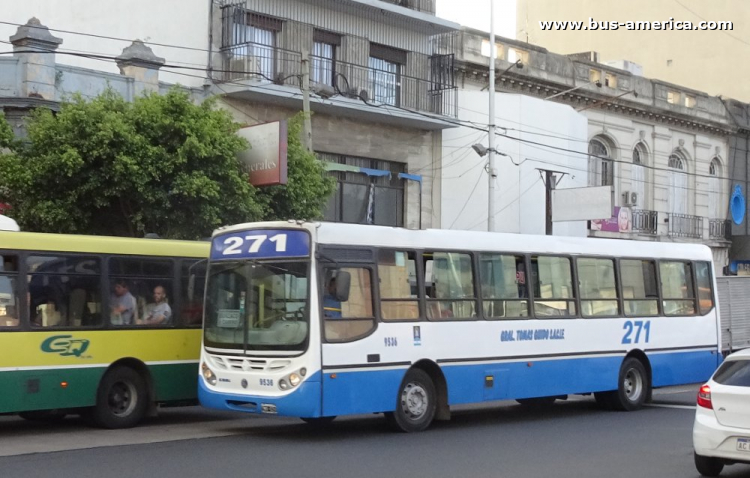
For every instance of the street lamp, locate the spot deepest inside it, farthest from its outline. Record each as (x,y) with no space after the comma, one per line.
(482,150)
(597,83)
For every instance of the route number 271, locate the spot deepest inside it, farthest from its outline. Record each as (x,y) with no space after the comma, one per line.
(234,244)
(635,327)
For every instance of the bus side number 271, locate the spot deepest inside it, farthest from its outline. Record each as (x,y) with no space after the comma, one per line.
(633,330)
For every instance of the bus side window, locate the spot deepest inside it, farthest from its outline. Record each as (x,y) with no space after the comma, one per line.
(639,289)
(397,271)
(450,286)
(8,292)
(503,281)
(677,288)
(553,286)
(64,291)
(597,286)
(143,278)
(192,290)
(705,287)
(352,317)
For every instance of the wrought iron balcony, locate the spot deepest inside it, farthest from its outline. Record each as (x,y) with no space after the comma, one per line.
(720,229)
(427,6)
(685,225)
(644,221)
(377,87)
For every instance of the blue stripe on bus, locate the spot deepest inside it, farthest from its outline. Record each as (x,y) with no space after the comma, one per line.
(372,391)
(304,401)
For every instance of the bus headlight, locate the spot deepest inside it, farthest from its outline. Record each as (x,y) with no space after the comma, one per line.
(208,374)
(294,379)
(283,384)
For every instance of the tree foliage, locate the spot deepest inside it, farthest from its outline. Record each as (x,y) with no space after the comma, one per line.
(160,164)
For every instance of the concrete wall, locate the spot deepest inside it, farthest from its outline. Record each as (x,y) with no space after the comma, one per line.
(702,60)
(519,190)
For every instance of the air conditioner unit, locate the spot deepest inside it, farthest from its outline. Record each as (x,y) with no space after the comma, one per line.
(630,198)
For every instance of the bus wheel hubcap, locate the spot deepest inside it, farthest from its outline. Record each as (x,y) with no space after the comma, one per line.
(414,400)
(122,398)
(633,385)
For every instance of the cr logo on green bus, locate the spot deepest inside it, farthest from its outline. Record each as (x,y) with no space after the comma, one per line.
(65,345)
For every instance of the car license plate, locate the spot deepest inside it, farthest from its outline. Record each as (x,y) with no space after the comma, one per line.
(743,444)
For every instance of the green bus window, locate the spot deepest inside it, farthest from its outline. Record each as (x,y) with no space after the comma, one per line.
(553,286)
(639,289)
(354,317)
(597,287)
(677,288)
(64,291)
(397,271)
(192,289)
(9,292)
(504,288)
(142,292)
(705,287)
(449,280)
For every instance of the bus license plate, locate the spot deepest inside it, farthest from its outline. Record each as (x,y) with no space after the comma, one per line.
(743,444)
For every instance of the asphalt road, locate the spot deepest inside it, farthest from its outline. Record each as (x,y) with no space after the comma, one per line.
(503,440)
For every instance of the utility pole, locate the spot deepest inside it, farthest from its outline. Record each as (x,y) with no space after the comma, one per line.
(491,129)
(550,183)
(307,124)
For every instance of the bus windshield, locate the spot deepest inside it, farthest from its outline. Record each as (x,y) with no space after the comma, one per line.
(253,305)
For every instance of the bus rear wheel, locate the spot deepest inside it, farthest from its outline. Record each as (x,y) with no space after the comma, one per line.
(634,387)
(416,403)
(122,399)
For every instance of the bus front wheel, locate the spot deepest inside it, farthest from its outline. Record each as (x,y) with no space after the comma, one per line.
(122,399)
(416,403)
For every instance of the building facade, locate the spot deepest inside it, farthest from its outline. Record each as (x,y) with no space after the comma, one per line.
(703,60)
(667,163)
(380,76)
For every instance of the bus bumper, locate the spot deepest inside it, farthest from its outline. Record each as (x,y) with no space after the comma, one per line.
(304,401)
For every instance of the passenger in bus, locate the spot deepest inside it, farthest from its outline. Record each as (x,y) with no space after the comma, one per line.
(123,304)
(331,305)
(160,312)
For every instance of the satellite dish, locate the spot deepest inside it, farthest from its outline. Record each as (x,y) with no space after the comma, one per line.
(737,205)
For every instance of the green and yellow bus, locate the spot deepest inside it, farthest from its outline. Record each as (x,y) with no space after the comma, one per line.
(106,327)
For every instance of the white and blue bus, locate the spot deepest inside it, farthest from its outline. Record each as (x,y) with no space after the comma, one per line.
(317,320)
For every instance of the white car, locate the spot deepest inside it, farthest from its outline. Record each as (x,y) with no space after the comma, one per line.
(721,433)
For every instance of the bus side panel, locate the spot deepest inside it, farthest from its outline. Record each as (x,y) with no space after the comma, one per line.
(175,381)
(472,383)
(361,391)
(48,389)
(679,368)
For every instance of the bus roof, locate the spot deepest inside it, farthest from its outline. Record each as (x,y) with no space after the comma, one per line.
(383,236)
(102,244)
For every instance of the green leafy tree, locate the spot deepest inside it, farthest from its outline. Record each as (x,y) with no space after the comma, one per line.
(160,164)
(308,187)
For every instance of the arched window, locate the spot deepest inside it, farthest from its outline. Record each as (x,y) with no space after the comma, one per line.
(715,209)
(638,174)
(601,166)
(675,162)
(678,183)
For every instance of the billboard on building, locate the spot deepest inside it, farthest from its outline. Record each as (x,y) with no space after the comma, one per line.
(621,221)
(581,204)
(266,159)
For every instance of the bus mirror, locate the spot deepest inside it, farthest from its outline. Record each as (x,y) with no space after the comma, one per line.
(343,281)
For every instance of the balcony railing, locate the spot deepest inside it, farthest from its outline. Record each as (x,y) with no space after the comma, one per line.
(427,6)
(645,222)
(684,225)
(268,64)
(720,229)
